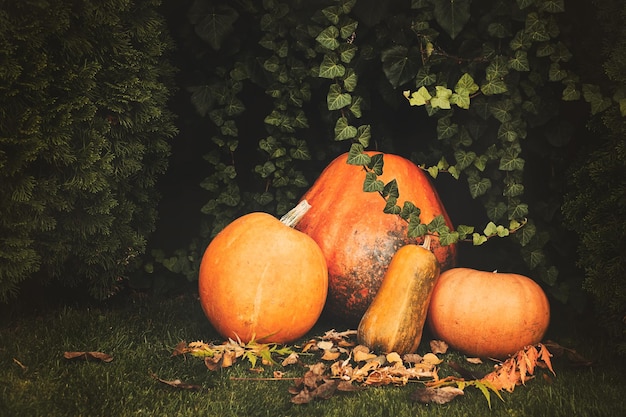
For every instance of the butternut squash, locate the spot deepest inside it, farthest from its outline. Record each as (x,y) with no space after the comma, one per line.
(395,319)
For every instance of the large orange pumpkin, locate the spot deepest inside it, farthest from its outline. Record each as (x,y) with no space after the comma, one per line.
(261,279)
(487,314)
(357,238)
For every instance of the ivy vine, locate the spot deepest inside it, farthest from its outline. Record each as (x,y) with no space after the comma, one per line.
(487,73)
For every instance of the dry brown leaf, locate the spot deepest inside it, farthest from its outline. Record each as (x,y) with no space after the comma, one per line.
(393,357)
(177,383)
(438,346)
(330,355)
(362,356)
(441,395)
(412,358)
(432,359)
(475,361)
(292,359)
(97,356)
(325,344)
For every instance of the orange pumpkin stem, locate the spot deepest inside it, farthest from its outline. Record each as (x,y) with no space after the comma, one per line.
(293,216)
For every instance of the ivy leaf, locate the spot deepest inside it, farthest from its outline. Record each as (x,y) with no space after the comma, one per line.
(466,85)
(400,64)
(328,38)
(464,230)
(363,135)
(511,163)
(520,61)
(350,80)
(330,67)
(356,155)
(419,97)
(442,98)
(301,151)
(536,28)
(555,73)
(391,189)
(212,24)
(519,211)
(372,183)
(332,13)
(343,130)
(424,78)
(448,238)
(348,28)
(464,159)
(452,15)
(593,96)
(478,239)
(355,107)
(446,129)
(478,186)
(493,87)
(376,163)
(391,207)
(336,99)
(409,209)
(416,228)
(491,229)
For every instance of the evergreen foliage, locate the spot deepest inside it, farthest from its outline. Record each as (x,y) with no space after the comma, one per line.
(596,205)
(84,132)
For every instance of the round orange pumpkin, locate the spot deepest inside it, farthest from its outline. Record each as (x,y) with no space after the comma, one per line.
(487,314)
(357,238)
(260,279)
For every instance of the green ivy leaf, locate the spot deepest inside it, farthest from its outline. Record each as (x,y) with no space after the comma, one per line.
(493,87)
(533,257)
(336,99)
(495,211)
(478,239)
(348,28)
(391,189)
(301,151)
(409,209)
(400,64)
(356,155)
(520,61)
(442,98)
(513,190)
(438,224)
(448,238)
(346,52)
(343,130)
(391,207)
(328,38)
(593,96)
(419,97)
(491,229)
(452,15)
(519,211)
(350,80)
(372,183)
(332,13)
(446,129)
(376,163)
(556,73)
(526,233)
(212,24)
(464,159)
(424,78)
(355,107)
(330,67)
(501,110)
(536,27)
(511,162)
(464,230)
(363,135)
(416,228)
(478,186)
(466,85)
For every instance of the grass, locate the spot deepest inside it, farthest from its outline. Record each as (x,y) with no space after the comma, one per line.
(140,333)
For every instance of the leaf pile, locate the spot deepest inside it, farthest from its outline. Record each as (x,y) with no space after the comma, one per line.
(345,366)
(224,355)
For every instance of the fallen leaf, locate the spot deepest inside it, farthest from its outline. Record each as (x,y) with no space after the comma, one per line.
(438,346)
(177,383)
(441,395)
(412,358)
(475,361)
(330,355)
(393,357)
(362,356)
(292,359)
(325,345)
(432,359)
(97,356)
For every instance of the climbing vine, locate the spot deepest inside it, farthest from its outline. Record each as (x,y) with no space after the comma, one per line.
(314,78)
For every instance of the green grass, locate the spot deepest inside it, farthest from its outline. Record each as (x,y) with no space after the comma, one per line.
(140,333)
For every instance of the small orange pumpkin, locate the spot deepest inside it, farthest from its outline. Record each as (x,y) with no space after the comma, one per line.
(260,279)
(488,314)
(357,237)
(395,319)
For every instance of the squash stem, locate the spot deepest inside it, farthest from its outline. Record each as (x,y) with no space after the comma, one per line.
(426,244)
(293,216)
